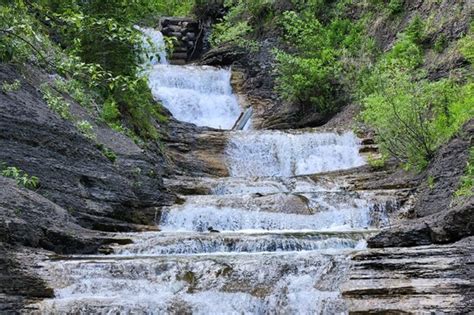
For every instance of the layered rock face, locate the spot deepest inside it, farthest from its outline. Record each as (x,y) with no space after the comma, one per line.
(436,216)
(424,279)
(73,171)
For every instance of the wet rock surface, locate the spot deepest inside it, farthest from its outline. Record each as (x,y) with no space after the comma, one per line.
(434,278)
(436,216)
(18,285)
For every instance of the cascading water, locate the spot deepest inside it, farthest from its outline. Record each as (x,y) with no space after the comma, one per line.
(283,240)
(195,94)
(274,153)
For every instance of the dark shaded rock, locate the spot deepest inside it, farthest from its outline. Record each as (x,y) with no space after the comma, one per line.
(73,172)
(29,219)
(445,171)
(17,285)
(193,150)
(437,216)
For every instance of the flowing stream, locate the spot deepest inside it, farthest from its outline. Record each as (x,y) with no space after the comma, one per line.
(284,237)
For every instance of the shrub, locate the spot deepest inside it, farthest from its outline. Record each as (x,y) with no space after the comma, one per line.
(395,6)
(86,129)
(21,177)
(110,112)
(11,87)
(440,43)
(110,154)
(466,45)
(412,116)
(77,91)
(313,75)
(57,103)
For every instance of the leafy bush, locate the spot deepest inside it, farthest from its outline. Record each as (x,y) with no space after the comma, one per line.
(77,91)
(466,45)
(11,87)
(110,154)
(56,102)
(313,75)
(102,55)
(86,129)
(21,177)
(395,6)
(440,43)
(412,116)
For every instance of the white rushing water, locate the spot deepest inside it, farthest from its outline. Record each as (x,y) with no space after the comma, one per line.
(277,153)
(154,45)
(262,241)
(196,94)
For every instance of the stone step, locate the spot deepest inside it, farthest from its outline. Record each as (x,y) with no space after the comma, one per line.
(369,149)
(179,55)
(178,62)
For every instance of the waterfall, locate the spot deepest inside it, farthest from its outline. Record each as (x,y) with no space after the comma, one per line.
(274,153)
(199,95)
(154,46)
(272,238)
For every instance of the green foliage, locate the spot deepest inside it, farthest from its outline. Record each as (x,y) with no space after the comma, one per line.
(109,153)
(172,7)
(440,44)
(11,87)
(412,116)
(466,45)
(415,32)
(313,75)
(236,26)
(86,129)
(395,6)
(56,102)
(225,32)
(377,163)
(21,177)
(102,56)
(16,30)
(431,182)
(466,186)
(110,112)
(77,91)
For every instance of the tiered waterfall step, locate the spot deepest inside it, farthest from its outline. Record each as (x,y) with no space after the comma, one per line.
(258,283)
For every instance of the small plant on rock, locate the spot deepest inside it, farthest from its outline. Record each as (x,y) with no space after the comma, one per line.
(466,187)
(86,129)
(57,103)
(20,176)
(11,87)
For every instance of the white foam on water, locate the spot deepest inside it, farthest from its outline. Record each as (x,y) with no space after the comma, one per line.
(252,284)
(154,46)
(277,153)
(159,243)
(198,95)
(195,218)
